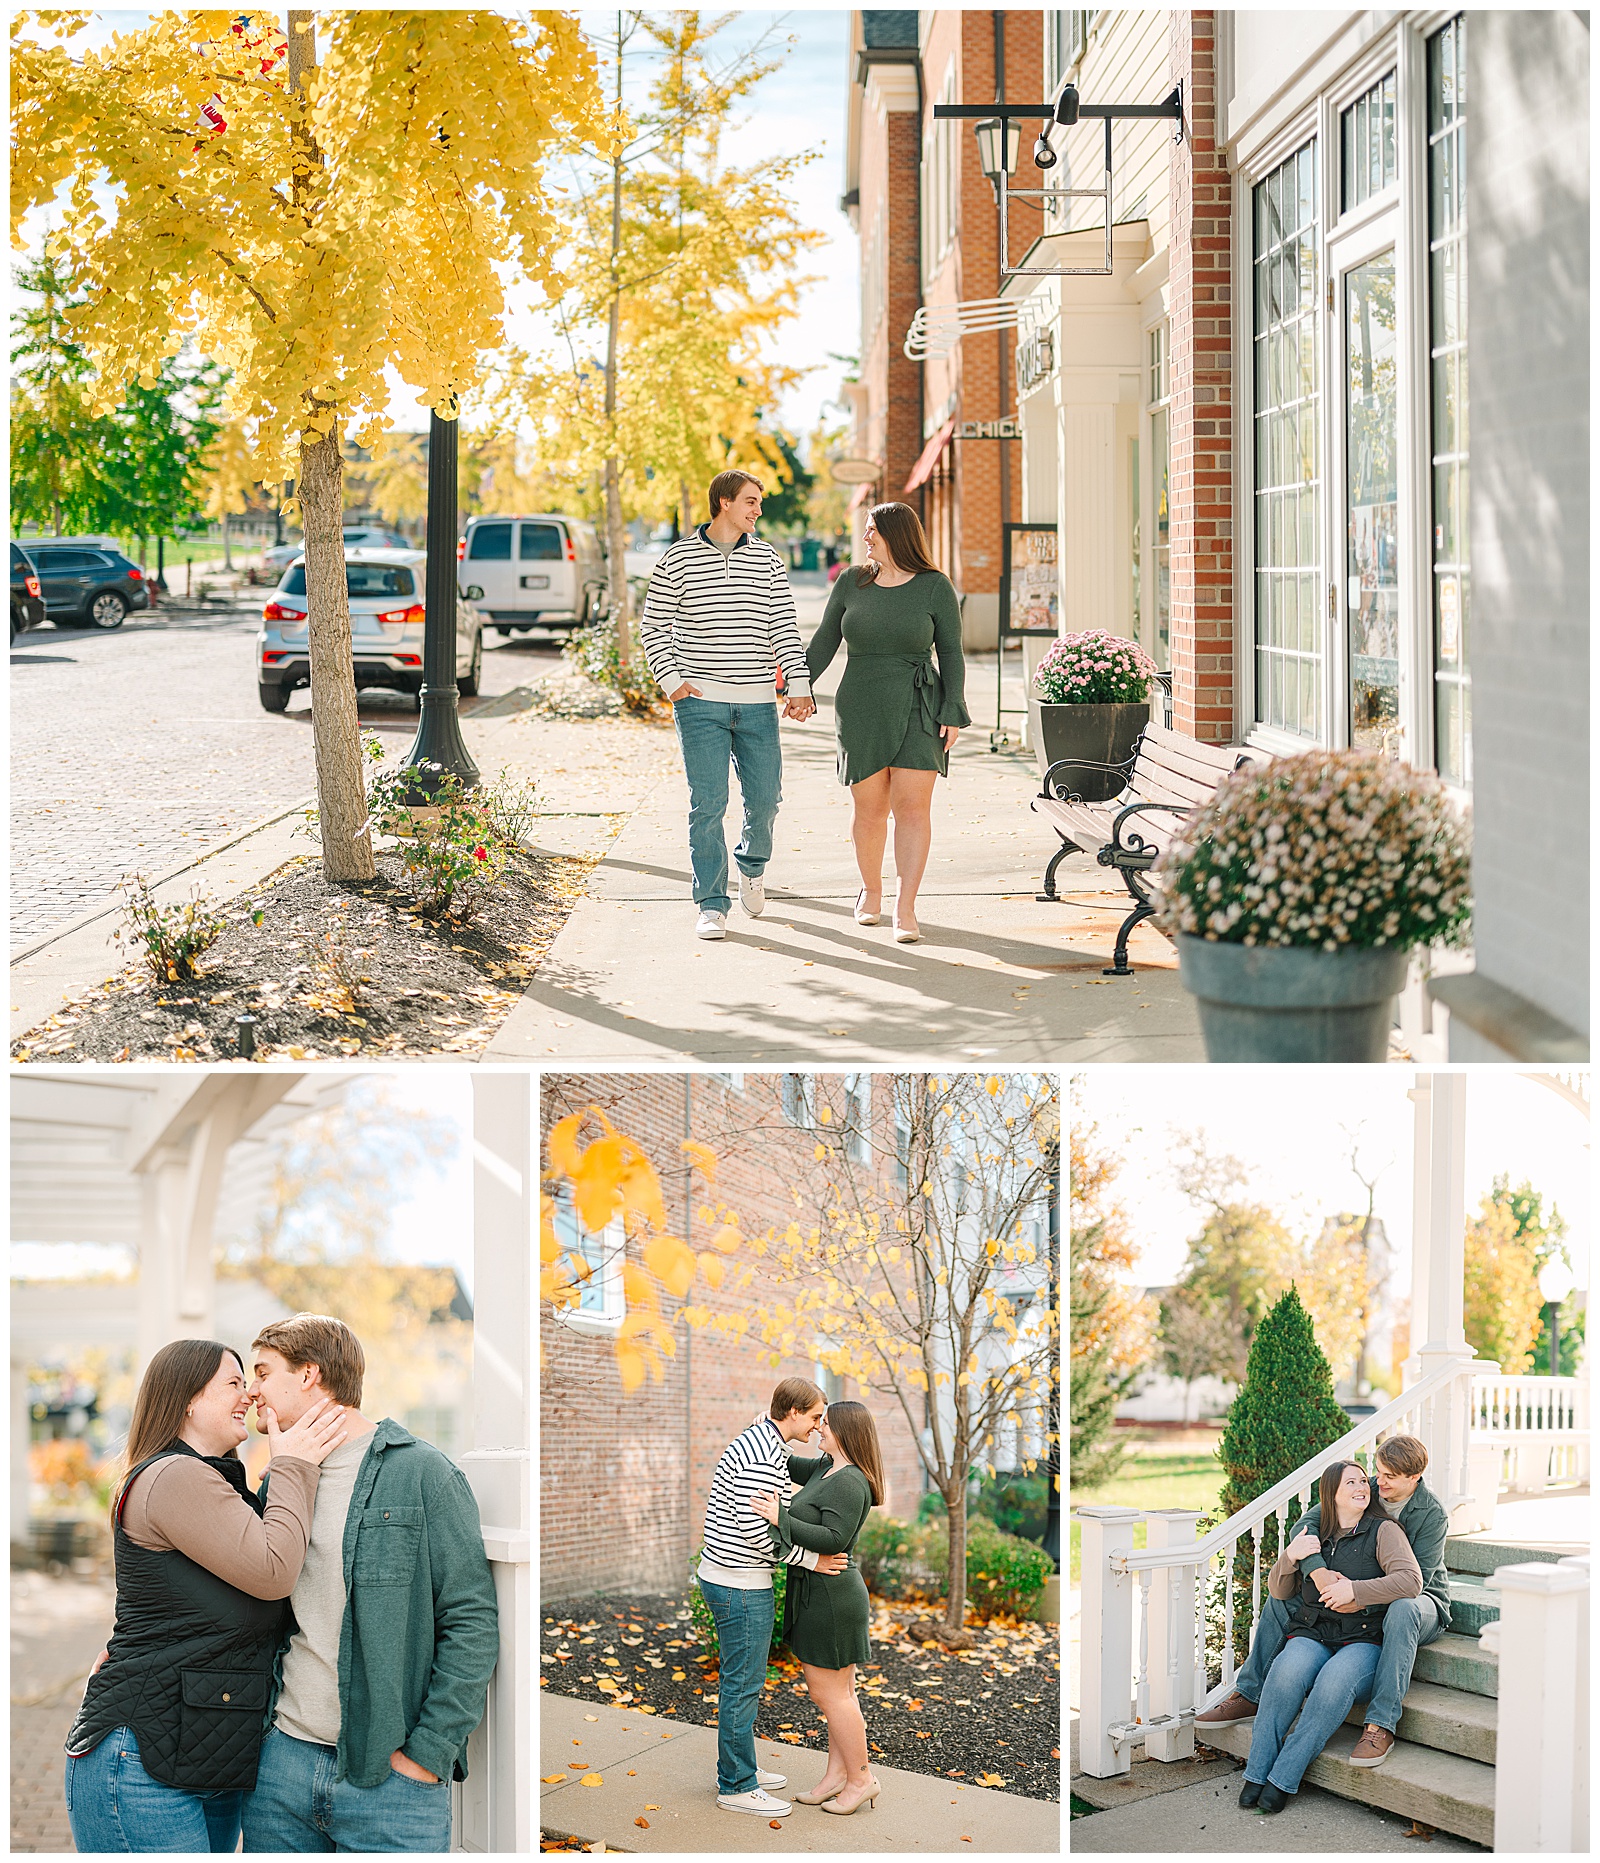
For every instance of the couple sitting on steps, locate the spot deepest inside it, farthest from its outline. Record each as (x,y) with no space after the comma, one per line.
(1358,1590)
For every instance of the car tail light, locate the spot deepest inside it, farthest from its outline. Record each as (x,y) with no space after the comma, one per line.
(135,573)
(31,584)
(275,611)
(409,659)
(461,550)
(398,617)
(572,551)
(273,656)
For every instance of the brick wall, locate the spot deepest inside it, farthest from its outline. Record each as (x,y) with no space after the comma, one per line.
(624,1479)
(903,383)
(1201,413)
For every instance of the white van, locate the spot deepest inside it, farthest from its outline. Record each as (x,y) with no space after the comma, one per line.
(545,571)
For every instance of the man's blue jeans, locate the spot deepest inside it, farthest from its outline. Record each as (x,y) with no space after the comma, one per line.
(1408,1624)
(1317,1684)
(744,1635)
(712,735)
(114,1805)
(298,1805)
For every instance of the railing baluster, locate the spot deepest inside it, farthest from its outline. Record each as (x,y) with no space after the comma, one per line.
(1255,1581)
(1202,1587)
(1141,1687)
(1229,1553)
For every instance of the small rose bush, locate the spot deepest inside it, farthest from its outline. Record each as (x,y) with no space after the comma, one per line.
(1094,668)
(1327,849)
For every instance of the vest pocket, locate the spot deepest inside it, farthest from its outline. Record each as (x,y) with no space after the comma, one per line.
(219,1690)
(388,1546)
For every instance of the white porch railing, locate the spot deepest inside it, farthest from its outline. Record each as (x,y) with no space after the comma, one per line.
(1154,1602)
(1540,1426)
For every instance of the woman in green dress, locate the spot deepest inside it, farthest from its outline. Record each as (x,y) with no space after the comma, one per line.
(896,716)
(825,1619)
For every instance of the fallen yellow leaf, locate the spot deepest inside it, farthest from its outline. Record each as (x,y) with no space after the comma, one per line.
(652,1807)
(592,1778)
(990,1778)
(553,1778)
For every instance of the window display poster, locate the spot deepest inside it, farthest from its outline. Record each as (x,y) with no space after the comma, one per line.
(1031,582)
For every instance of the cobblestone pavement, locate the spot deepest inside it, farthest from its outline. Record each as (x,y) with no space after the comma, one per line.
(144,747)
(58,1626)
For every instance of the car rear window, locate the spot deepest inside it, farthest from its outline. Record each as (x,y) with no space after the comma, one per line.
(541,543)
(54,561)
(363,580)
(491,543)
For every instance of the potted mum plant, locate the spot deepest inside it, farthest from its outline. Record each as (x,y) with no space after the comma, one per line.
(1090,701)
(1296,894)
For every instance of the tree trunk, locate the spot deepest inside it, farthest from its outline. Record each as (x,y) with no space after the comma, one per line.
(955,1507)
(687,505)
(335,726)
(619,595)
(227,545)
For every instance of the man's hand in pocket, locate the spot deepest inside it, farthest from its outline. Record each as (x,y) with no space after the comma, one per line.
(400,1762)
(830,1563)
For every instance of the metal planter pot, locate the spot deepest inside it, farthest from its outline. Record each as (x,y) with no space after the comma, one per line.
(1096,733)
(1283,1003)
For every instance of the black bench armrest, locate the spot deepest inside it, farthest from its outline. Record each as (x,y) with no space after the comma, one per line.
(1062,794)
(1135,851)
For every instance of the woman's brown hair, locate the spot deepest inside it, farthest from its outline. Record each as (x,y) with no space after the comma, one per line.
(1328,1505)
(901,530)
(177,1374)
(857,1436)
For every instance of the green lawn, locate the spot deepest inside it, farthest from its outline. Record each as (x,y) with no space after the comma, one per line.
(1154,1475)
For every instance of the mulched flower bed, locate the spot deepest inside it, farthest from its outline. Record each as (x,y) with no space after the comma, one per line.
(433,986)
(990,1715)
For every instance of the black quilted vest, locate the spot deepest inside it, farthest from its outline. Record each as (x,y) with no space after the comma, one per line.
(190,1661)
(1356,1556)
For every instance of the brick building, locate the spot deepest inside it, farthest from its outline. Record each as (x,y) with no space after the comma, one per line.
(623,1479)
(1249,432)
(929,229)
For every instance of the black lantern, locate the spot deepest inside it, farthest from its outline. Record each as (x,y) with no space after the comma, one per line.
(999,139)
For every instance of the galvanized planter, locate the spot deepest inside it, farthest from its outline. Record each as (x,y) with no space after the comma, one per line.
(1284,1003)
(1095,733)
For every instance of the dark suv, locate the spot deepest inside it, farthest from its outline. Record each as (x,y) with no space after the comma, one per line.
(87,581)
(27,604)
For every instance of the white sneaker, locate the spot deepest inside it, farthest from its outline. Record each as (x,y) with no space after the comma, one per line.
(753,893)
(758,1803)
(712,925)
(771,1778)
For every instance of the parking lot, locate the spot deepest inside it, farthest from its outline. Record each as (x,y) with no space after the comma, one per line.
(142,748)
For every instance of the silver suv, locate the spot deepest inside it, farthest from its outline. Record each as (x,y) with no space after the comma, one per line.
(546,571)
(386,617)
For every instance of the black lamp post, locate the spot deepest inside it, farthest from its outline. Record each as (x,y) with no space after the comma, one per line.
(1555,1283)
(439,740)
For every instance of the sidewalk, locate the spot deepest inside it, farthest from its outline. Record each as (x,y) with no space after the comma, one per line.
(644,1761)
(998,976)
(58,1627)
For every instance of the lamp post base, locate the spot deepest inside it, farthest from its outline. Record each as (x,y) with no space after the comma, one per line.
(438,743)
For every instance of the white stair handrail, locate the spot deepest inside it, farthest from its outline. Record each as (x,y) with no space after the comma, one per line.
(1358,1436)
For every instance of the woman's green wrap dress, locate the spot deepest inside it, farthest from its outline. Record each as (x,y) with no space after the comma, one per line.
(825,1619)
(891,702)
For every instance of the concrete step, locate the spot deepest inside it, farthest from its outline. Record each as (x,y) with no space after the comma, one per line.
(1442,1789)
(1446,1719)
(1459,1662)
(1472,1605)
(1484,1556)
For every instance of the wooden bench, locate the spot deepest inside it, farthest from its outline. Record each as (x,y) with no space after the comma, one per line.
(1167,776)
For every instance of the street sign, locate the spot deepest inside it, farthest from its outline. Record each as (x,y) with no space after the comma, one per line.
(1006,429)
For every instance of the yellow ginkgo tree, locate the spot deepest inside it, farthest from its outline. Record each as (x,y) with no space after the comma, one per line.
(923,1262)
(312,222)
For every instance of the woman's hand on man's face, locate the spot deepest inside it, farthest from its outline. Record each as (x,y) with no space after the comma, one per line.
(313,1438)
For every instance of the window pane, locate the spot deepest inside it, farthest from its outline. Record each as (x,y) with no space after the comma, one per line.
(1367,144)
(491,543)
(1372,558)
(541,543)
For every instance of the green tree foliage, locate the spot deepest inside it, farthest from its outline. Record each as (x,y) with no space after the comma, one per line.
(1110,1325)
(61,451)
(785,504)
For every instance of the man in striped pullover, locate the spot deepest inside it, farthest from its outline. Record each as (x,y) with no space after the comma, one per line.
(718,618)
(736,1577)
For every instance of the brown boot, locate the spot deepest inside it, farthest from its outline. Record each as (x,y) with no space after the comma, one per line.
(1374,1746)
(1235,1707)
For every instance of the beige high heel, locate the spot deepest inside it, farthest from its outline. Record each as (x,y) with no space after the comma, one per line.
(816,1796)
(907,934)
(862,915)
(866,1799)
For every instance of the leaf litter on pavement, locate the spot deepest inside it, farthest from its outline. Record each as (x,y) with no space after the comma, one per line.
(988,1716)
(431,986)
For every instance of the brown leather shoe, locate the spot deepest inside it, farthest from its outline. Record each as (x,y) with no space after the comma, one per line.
(1374,1746)
(1235,1707)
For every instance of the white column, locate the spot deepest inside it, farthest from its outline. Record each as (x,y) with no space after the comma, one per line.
(1542,1737)
(1172,1656)
(1106,1672)
(494,1807)
(1438,1254)
(177,1290)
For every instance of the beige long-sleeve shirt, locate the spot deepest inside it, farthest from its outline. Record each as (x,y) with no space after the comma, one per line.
(180,1505)
(1402,1576)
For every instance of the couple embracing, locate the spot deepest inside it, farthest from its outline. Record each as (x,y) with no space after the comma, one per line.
(305,1662)
(719,627)
(1359,1588)
(753,1524)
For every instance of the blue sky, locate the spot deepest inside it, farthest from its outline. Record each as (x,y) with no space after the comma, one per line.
(799,109)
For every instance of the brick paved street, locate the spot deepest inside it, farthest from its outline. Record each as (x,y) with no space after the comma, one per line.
(58,1626)
(142,748)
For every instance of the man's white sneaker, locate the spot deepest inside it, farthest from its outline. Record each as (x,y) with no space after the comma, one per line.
(753,894)
(712,925)
(771,1778)
(758,1803)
